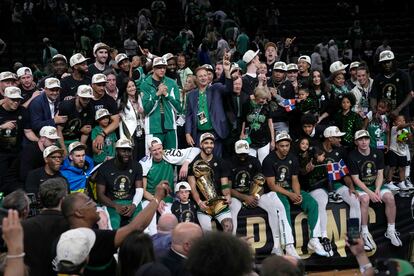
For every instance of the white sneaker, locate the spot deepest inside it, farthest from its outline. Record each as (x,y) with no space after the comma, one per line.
(369,243)
(291,251)
(402,186)
(277,251)
(394,237)
(391,186)
(409,184)
(316,246)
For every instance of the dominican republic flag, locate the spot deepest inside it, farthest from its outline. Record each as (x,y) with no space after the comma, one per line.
(289,104)
(337,170)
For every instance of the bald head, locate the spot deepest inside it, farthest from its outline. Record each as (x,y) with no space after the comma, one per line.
(183,236)
(166,223)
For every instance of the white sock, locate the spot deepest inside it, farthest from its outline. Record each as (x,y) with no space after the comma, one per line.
(407,171)
(364,229)
(391,227)
(324,234)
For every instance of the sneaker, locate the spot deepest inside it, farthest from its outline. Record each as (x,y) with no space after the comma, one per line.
(409,184)
(335,197)
(315,246)
(390,185)
(327,246)
(394,237)
(402,186)
(369,243)
(291,251)
(277,251)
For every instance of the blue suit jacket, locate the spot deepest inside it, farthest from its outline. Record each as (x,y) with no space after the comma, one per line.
(40,115)
(218,117)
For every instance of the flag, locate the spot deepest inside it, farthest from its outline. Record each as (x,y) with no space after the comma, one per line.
(289,104)
(337,170)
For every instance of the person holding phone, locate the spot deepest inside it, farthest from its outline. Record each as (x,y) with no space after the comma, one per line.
(366,166)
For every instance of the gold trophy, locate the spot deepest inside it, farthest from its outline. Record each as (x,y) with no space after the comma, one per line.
(257,189)
(215,203)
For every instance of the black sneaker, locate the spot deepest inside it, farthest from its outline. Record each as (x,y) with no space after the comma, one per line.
(335,197)
(327,246)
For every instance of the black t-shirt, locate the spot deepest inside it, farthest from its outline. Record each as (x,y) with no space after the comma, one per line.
(256,120)
(219,169)
(31,158)
(185,212)
(335,155)
(11,139)
(27,94)
(366,166)
(120,184)
(304,82)
(70,86)
(249,84)
(281,169)
(92,70)
(242,173)
(101,258)
(37,177)
(286,90)
(105,102)
(76,120)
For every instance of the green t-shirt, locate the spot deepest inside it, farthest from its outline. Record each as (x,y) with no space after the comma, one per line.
(204,121)
(108,148)
(160,171)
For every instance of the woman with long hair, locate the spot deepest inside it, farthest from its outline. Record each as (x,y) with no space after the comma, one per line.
(319,90)
(132,119)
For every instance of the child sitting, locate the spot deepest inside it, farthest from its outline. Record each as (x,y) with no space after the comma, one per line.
(184,208)
(103,118)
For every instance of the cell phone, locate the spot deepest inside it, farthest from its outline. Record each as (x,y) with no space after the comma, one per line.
(352,226)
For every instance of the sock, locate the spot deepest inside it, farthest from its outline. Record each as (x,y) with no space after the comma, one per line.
(364,229)
(324,234)
(391,227)
(407,171)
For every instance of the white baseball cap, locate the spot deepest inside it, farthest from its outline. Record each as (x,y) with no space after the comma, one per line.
(13,92)
(386,55)
(120,57)
(250,55)
(361,134)
(24,71)
(100,45)
(49,132)
(51,83)
(51,149)
(76,145)
(306,58)
(59,56)
(241,146)
(159,61)
(99,78)
(337,66)
(208,67)
(153,141)
(168,56)
(292,67)
(102,112)
(123,143)
(280,66)
(85,91)
(332,131)
(7,75)
(354,64)
(75,245)
(283,136)
(206,136)
(182,183)
(235,67)
(76,59)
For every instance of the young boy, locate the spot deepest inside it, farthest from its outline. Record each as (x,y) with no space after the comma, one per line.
(399,153)
(103,118)
(184,208)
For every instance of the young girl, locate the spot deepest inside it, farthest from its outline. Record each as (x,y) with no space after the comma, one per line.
(378,125)
(103,118)
(183,70)
(399,153)
(347,120)
(305,104)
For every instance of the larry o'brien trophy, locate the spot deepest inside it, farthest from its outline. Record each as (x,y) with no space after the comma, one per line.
(215,203)
(257,189)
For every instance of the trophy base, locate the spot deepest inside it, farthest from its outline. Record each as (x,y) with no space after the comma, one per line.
(216,205)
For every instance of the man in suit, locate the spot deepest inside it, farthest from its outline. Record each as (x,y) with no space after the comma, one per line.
(183,237)
(205,111)
(44,108)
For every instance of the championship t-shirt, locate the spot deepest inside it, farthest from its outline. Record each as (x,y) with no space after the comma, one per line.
(216,169)
(105,102)
(120,184)
(281,169)
(366,166)
(10,139)
(70,86)
(243,172)
(76,120)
